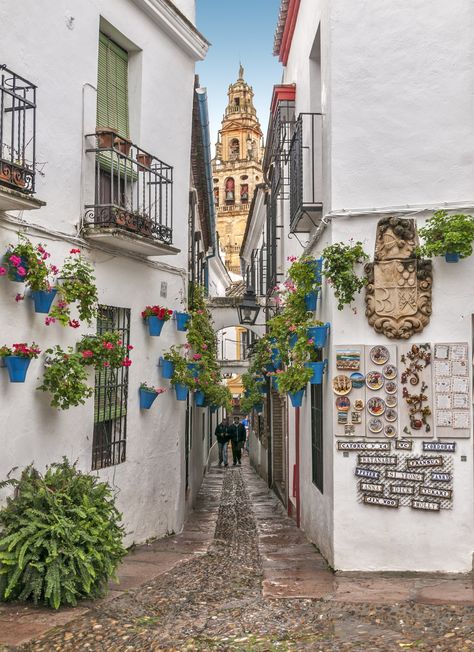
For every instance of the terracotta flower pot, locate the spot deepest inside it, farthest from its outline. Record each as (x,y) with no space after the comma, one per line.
(105,138)
(144,159)
(123,145)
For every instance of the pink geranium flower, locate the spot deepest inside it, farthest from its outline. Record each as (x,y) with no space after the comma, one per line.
(21,271)
(19,297)
(49,320)
(129,347)
(106,364)
(3,271)
(75,251)
(73,323)
(15,260)
(87,354)
(197,356)
(108,345)
(126,362)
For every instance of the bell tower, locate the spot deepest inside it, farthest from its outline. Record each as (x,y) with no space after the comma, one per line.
(236,168)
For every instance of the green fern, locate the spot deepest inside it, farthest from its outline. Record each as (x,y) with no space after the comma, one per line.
(60,537)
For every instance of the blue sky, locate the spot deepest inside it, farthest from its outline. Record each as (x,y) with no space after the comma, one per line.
(239,30)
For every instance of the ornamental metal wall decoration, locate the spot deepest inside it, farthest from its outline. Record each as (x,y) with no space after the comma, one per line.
(398,291)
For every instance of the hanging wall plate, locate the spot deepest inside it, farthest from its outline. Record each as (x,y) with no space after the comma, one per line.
(343,403)
(375,425)
(389,371)
(391,387)
(390,431)
(379,354)
(374,380)
(391,400)
(341,385)
(376,406)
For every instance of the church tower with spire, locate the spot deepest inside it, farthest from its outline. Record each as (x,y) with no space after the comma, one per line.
(236,168)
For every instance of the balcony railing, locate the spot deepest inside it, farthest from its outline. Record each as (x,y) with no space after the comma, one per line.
(306,173)
(133,189)
(17,132)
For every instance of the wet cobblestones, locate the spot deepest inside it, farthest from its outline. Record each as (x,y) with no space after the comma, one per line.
(214,602)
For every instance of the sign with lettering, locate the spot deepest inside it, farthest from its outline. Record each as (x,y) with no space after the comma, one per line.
(438,446)
(363,445)
(436,493)
(387,460)
(404,475)
(367,473)
(374,487)
(436,476)
(382,502)
(418,462)
(404,444)
(402,489)
(424,504)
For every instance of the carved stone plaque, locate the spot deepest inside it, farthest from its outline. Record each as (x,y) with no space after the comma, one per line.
(398,292)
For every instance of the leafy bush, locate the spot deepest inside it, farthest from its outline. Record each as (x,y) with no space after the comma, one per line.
(447,234)
(339,261)
(65,377)
(61,538)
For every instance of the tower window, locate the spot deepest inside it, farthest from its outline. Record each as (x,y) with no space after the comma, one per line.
(237,101)
(234,149)
(229,190)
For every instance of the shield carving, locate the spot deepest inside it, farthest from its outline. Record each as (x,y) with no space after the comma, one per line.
(398,293)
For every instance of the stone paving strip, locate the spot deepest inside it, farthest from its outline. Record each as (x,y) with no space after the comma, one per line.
(242,577)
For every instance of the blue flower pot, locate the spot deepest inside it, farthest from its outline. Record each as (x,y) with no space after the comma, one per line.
(318,371)
(199,398)
(319,335)
(311,300)
(182,319)
(263,389)
(276,359)
(293,339)
(269,367)
(193,368)
(146,398)
(258,407)
(317,265)
(181,392)
(155,325)
(17,368)
(43,299)
(167,368)
(297,398)
(275,383)
(451,258)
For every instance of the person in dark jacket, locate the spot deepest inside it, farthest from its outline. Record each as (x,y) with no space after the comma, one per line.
(222,437)
(238,435)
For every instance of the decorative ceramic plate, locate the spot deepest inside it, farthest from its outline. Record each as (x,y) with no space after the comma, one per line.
(391,414)
(358,405)
(341,385)
(374,380)
(391,387)
(390,371)
(391,400)
(375,425)
(358,380)
(376,406)
(390,431)
(379,354)
(343,403)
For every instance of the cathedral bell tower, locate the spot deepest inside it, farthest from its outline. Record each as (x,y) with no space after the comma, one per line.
(236,168)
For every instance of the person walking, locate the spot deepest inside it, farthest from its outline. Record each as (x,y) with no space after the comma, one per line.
(238,435)
(222,437)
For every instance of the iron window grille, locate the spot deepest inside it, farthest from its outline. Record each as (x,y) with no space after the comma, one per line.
(133,189)
(317,435)
(17,131)
(305,159)
(111,396)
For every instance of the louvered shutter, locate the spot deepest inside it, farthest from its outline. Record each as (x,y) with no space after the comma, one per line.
(112,87)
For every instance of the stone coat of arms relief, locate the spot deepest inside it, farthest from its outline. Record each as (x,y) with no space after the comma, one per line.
(398,291)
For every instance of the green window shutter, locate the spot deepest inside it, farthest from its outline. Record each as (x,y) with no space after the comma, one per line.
(112,87)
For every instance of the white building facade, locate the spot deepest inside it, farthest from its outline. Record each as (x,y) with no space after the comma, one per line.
(125,66)
(378,135)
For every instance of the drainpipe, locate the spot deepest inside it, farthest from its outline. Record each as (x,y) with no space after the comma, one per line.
(297,464)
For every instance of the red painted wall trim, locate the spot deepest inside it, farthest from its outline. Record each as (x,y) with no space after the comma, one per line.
(282,92)
(289,30)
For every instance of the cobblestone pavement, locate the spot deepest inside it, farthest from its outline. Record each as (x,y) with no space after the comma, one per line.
(214,602)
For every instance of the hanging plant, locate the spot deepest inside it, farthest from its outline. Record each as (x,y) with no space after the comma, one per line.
(155,316)
(148,394)
(447,235)
(27,262)
(105,350)
(77,287)
(339,261)
(17,359)
(65,378)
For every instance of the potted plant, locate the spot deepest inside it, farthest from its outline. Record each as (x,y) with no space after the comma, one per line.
(318,333)
(338,268)
(182,320)
(65,378)
(77,286)
(17,359)
(182,379)
(305,274)
(148,394)
(123,145)
(446,235)
(317,367)
(104,350)
(167,367)
(105,137)
(155,317)
(293,381)
(144,159)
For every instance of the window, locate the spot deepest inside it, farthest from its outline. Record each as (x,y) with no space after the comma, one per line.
(317,435)
(234,149)
(229,190)
(112,87)
(111,392)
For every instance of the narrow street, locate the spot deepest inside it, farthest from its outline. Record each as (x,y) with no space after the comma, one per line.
(261,586)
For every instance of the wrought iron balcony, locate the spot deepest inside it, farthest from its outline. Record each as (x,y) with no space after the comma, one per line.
(133,196)
(17,141)
(306,173)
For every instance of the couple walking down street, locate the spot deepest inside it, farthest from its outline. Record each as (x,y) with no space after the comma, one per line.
(236,434)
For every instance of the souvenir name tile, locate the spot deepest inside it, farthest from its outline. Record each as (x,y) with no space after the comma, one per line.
(403,489)
(451,383)
(404,445)
(434,492)
(373,487)
(363,445)
(404,475)
(381,501)
(439,446)
(387,460)
(424,462)
(367,473)
(436,476)
(426,505)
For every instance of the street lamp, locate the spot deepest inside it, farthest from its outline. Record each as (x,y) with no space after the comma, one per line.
(248,309)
